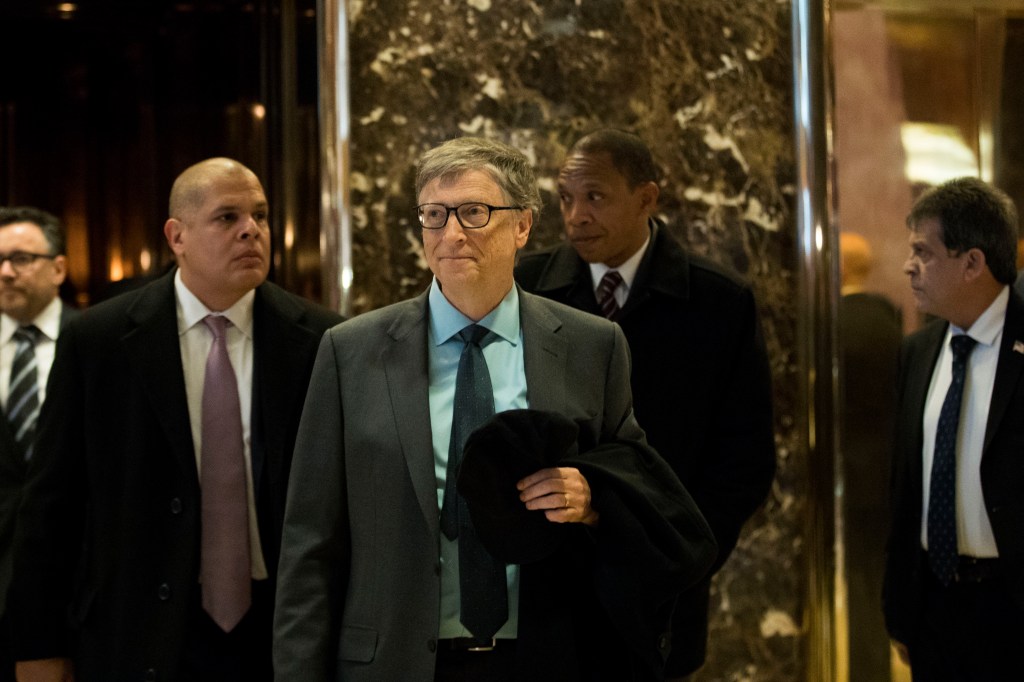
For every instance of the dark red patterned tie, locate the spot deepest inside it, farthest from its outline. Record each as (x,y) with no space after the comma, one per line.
(606,294)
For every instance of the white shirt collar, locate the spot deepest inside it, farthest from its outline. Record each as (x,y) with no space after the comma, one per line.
(191,310)
(48,322)
(627,269)
(989,325)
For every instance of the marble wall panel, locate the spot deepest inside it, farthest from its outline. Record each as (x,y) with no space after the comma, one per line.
(707,84)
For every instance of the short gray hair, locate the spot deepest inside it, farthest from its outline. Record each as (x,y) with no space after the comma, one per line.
(509,168)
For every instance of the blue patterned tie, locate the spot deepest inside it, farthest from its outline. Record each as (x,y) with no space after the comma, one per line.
(942,545)
(482,588)
(23,396)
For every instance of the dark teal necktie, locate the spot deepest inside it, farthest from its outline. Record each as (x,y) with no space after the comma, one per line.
(942,544)
(482,586)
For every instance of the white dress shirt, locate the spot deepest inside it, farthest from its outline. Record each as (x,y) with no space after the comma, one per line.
(627,270)
(48,322)
(973,529)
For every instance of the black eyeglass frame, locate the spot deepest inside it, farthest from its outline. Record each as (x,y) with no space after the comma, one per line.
(456,209)
(27,258)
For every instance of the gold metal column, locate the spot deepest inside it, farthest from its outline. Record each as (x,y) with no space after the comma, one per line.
(335,216)
(818,301)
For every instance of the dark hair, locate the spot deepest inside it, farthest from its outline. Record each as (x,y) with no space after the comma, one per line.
(973,215)
(47,222)
(509,168)
(630,155)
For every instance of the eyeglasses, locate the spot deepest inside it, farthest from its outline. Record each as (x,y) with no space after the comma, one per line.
(471,216)
(22,259)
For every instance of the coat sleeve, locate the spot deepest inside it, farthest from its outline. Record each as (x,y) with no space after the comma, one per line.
(315,547)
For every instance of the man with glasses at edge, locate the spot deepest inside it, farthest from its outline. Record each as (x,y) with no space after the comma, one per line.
(372,582)
(32,268)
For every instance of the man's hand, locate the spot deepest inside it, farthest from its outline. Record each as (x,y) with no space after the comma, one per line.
(563,493)
(45,670)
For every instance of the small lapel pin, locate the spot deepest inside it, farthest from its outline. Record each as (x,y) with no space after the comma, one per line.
(1018,347)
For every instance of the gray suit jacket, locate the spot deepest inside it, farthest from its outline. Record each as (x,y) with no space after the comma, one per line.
(359,587)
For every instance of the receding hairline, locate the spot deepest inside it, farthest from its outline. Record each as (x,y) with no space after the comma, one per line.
(189,188)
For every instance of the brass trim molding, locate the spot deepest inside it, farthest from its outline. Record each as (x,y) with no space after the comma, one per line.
(818,288)
(335,213)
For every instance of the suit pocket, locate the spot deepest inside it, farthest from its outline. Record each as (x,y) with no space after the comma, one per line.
(357,644)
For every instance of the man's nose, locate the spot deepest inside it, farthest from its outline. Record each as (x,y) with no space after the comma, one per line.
(573,213)
(250,228)
(7,270)
(453,229)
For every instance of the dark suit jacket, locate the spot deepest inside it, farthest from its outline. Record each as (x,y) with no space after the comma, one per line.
(360,581)
(12,478)
(701,388)
(109,529)
(1002,470)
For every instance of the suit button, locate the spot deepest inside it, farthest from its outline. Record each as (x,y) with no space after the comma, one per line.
(663,643)
(150,675)
(432,644)
(163,592)
(176,505)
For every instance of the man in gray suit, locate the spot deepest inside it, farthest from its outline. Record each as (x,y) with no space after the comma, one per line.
(32,268)
(370,585)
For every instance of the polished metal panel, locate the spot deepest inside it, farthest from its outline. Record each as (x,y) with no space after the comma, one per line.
(335,215)
(818,295)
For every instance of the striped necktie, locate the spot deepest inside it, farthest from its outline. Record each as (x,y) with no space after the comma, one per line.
(23,396)
(606,294)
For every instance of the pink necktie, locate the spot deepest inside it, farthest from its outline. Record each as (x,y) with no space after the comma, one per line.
(225,567)
(606,294)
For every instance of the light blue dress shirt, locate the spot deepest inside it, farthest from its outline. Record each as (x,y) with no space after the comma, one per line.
(504,357)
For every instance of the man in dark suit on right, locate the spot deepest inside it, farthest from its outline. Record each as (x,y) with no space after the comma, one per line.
(954,585)
(700,377)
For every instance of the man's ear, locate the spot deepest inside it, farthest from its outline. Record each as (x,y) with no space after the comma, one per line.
(174,230)
(60,270)
(523,226)
(649,192)
(975,264)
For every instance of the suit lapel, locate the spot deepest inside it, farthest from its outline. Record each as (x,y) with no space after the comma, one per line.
(545,354)
(919,378)
(281,349)
(153,353)
(568,273)
(1008,369)
(406,370)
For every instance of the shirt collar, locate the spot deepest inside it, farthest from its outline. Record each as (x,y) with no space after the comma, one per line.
(627,269)
(989,325)
(446,321)
(48,322)
(191,310)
